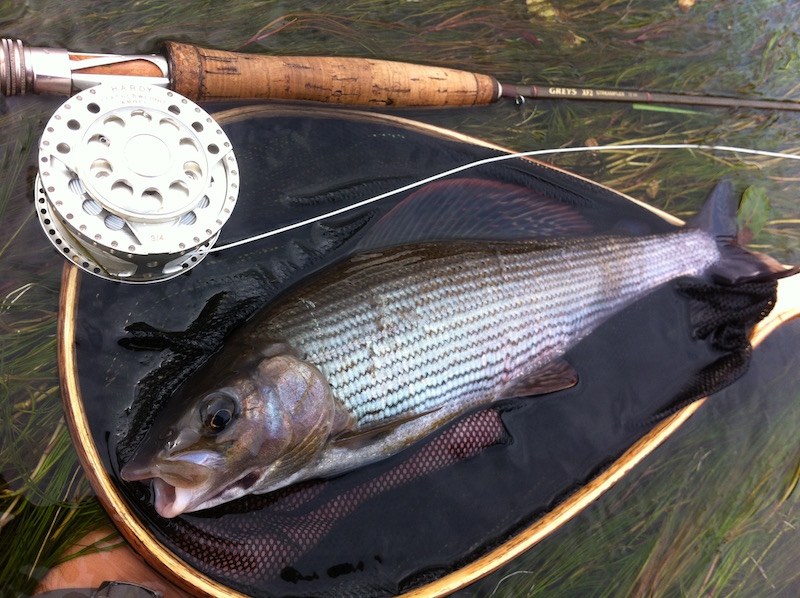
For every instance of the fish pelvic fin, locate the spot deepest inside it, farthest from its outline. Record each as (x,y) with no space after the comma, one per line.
(556,375)
(736,264)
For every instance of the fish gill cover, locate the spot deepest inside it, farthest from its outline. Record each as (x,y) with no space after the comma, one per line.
(428,510)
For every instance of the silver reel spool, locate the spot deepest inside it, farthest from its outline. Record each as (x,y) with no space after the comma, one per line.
(135,182)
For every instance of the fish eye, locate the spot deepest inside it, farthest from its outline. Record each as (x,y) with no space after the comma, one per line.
(217,411)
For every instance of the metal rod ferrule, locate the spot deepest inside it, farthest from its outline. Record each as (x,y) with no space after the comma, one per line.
(26,70)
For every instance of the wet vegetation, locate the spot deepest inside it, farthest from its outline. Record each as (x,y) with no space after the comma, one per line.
(716,511)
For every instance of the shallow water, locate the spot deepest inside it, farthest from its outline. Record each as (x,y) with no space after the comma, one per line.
(735,48)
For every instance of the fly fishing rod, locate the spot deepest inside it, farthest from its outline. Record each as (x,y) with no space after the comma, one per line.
(201,74)
(136,181)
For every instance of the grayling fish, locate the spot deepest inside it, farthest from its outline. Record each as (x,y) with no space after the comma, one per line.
(380,350)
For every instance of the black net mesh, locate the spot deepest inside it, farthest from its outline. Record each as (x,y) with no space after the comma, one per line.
(430,509)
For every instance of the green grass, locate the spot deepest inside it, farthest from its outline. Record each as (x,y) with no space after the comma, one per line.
(694,520)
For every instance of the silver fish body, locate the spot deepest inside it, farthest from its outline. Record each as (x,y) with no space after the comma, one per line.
(382,349)
(420,328)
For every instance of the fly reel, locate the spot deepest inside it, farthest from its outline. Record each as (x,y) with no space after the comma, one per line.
(135,182)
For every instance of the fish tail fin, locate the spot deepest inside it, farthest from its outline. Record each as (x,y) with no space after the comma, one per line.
(736,264)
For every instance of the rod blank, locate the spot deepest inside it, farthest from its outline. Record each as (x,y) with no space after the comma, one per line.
(554,92)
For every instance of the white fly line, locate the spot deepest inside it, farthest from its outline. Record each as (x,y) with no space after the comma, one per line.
(501,158)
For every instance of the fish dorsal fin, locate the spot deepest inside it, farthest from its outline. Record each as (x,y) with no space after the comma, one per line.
(472,208)
(556,375)
(355,438)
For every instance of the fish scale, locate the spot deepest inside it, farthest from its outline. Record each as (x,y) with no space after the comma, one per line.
(492,312)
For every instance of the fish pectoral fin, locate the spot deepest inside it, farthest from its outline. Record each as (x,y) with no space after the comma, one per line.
(556,375)
(343,421)
(361,437)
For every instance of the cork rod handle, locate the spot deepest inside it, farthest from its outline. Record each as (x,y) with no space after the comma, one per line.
(201,74)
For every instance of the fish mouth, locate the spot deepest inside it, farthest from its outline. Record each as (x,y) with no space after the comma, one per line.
(173,495)
(171,501)
(181,482)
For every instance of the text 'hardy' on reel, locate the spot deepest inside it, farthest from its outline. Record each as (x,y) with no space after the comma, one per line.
(135,182)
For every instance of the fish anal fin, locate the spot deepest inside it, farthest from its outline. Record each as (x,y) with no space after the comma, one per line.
(354,438)
(556,375)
